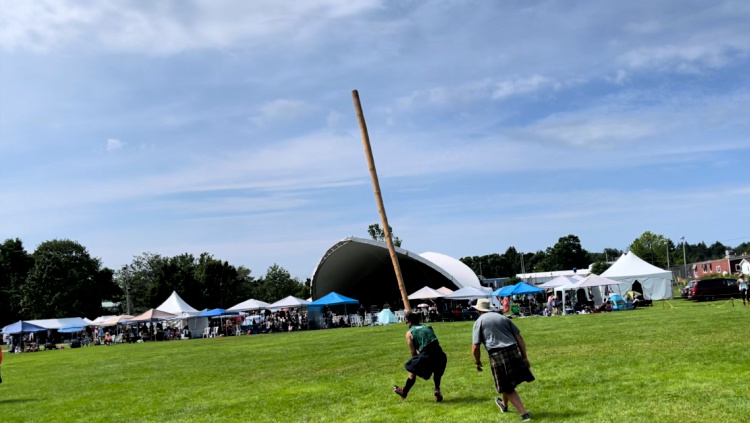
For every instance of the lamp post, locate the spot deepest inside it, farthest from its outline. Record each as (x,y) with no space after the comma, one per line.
(684,258)
(127,287)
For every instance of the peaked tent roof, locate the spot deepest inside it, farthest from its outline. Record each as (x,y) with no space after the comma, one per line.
(290,301)
(426,293)
(467,293)
(333,299)
(176,305)
(630,265)
(22,326)
(445,290)
(116,320)
(559,281)
(153,315)
(594,280)
(249,305)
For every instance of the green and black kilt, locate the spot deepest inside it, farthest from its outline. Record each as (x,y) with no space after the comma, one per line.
(430,360)
(508,369)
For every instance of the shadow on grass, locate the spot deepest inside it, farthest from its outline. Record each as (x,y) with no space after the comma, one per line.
(465,400)
(16,400)
(555,415)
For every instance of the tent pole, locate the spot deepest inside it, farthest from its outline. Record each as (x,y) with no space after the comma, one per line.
(379,198)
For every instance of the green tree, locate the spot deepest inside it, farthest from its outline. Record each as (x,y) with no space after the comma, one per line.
(566,254)
(65,281)
(600,267)
(378,234)
(276,284)
(652,248)
(15,264)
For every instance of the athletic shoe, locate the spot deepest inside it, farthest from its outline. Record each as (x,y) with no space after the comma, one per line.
(499,402)
(438,396)
(399,392)
(526,418)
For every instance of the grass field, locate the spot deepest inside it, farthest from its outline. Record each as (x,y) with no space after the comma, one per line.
(690,363)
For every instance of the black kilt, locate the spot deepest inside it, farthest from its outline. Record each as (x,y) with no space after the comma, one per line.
(430,360)
(509,369)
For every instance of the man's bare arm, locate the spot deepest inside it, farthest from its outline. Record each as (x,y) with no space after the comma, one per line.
(410,341)
(522,347)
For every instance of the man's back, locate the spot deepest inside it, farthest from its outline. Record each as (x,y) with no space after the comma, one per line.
(494,331)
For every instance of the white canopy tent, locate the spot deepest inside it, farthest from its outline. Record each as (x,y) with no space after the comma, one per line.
(468,293)
(59,323)
(558,281)
(426,293)
(250,305)
(290,302)
(176,305)
(444,290)
(629,269)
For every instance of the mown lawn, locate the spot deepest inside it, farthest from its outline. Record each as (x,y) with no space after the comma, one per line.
(690,363)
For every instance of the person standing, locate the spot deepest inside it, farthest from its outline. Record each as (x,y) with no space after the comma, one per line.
(743,288)
(1,362)
(506,305)
(507,352)
(427,357)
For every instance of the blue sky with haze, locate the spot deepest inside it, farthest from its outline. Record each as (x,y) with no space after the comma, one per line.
(228,126)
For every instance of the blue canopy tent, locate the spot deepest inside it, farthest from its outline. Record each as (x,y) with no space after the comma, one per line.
(521,288)
(71,329)
(314,309)
(217,312)
(21,327)
(333,299)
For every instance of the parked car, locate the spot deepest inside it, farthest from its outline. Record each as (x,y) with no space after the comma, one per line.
(709,289)
(685,293)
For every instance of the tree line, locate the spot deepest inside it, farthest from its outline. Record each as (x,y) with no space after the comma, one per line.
(568,253)
(61,279)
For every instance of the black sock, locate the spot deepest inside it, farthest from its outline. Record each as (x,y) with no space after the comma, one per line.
(436,379)
(409,384)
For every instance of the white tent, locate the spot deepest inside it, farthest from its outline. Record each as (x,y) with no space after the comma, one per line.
(99,320)
(558,281)
(629,268)
(468,293)
(176,305)
(444,290)
(249,305)
(426,293)
(290,302)
(59,323)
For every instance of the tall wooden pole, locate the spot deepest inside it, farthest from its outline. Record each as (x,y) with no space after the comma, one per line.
(379,198)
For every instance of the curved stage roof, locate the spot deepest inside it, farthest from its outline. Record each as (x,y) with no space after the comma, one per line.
(362,269)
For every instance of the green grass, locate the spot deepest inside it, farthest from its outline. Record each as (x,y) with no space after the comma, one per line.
(689,363)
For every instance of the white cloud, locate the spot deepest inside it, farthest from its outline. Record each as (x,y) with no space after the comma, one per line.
(516,86)
(281,110)
(167,26)
(114,144)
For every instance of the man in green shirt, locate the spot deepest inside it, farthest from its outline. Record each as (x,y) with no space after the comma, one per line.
(427,357)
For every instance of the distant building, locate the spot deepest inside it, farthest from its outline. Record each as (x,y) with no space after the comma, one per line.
(730,264)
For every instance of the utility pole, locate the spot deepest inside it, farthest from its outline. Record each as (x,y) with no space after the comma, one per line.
(127,288)
(667,255)
(684,258)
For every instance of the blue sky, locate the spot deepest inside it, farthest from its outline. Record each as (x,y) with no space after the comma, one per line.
(228,126)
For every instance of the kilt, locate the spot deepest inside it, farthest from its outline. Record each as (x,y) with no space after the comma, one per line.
(430,360)
(508,369)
